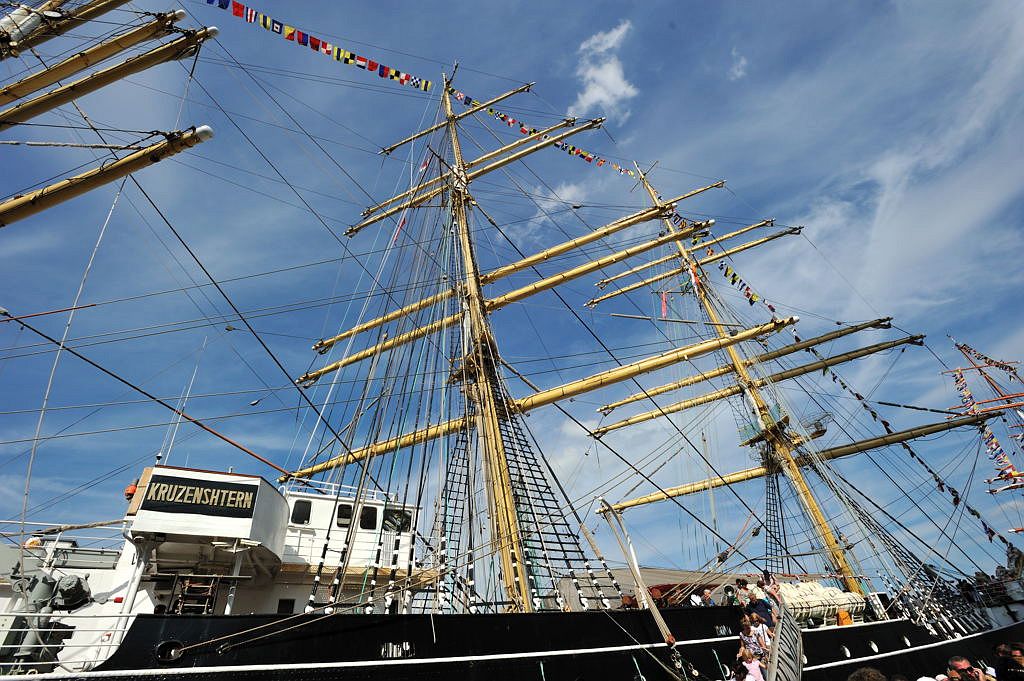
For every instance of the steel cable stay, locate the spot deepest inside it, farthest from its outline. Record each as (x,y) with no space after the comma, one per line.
(884,377)
(212,280)
(53,372)
(638,385)
(845,431)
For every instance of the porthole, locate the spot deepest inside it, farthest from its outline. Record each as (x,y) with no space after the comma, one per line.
(873,646)
(845,651)
(805,658)
(906,641)
(169,651)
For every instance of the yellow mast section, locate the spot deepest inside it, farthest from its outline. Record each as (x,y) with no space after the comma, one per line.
(756,383)
(482,389)
(495,303)
(472,110)
(162,24)
(94,81)
(673,256)
(37,201)
(701,262)
(51,28)
(444,177)
(822,455)
(562,392)
(724,369)
(780,447)
(529,261)
(48,28)
(470,176)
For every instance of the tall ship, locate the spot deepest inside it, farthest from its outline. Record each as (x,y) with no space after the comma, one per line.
(510,391)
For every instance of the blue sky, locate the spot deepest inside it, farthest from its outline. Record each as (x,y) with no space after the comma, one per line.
(892,131)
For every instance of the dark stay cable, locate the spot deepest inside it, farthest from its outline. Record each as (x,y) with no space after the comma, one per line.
(143,391)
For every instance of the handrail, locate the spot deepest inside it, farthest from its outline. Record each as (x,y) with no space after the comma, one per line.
(786,655)
(331,489)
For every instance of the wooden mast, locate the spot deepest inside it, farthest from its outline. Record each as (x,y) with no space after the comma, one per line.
(780,447)
(481,381)
(822,455)
(161,24)
(174,49)
(551,395)
(39,28)
(39,200)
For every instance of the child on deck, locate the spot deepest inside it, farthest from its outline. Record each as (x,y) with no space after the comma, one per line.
(755,667)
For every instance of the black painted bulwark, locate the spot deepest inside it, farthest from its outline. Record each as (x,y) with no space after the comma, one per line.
(495,647)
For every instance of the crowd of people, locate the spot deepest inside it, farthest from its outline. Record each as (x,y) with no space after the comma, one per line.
(757,626)
(1009,665)
(757,630)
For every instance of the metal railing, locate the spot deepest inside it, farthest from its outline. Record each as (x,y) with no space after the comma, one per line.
(331,489)
(98,538)
(994,592)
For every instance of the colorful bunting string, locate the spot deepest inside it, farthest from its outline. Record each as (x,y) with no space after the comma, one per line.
(525,129)
(733,277)
(985,359)
(752,297)
(1002,462)
(299,37)
(940,484)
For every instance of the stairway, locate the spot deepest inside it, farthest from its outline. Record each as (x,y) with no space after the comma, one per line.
(196,594)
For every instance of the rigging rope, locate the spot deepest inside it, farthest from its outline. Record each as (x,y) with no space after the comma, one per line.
(53,369)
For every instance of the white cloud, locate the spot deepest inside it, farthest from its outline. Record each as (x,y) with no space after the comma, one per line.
(605,88)
(549,202)
(739,65)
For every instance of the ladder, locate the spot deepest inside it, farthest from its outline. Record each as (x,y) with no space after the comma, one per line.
(196,594)
(451,523)
(775,540)
(553,549)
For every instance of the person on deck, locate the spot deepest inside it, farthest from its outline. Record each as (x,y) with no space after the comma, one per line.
(761,607)
(742,592)
(1010,664)
(758,625)
(866,674)
(750,640)
(961,668)
(706,599)
(755,667)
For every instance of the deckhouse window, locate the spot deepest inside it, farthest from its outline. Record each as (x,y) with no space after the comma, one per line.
(368,518)
(300,511)
(344,515)
(397,520)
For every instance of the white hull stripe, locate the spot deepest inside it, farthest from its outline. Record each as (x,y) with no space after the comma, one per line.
(924,646)
(234,669)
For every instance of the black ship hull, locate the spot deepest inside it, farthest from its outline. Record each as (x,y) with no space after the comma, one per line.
(543,646)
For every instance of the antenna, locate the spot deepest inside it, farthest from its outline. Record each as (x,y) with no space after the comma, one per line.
(173,429)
